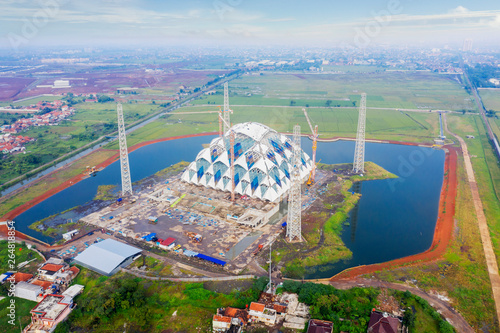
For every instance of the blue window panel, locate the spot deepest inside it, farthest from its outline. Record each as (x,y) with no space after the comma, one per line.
(255,183)
(217,176)
(236,179)
(200,173)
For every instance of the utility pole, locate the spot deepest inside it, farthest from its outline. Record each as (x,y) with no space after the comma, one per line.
(359,150)
(124,163)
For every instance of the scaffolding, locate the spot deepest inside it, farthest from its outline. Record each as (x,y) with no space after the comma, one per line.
(293,227)
(124,163)
(359,151)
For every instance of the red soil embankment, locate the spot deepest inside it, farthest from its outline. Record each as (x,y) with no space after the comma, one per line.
(443,231)
(21,209)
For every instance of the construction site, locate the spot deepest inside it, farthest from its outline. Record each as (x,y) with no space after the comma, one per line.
(248,186)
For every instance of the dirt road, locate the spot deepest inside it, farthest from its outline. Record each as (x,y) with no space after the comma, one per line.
(491,260)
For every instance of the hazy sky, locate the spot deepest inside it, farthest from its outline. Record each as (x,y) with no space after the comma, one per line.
(360,23)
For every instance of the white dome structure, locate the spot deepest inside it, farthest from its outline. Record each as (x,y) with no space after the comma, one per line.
(262,168)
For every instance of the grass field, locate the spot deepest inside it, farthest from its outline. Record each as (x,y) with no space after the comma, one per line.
(491,99)
(421,90)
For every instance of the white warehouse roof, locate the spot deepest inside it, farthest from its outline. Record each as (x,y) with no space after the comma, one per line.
(107,256)
(263,163)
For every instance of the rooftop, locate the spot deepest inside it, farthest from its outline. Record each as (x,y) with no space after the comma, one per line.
(257,307)
(50,307)
(51,267)
(106,256)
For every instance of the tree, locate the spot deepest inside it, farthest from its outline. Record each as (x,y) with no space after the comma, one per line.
(409,319)
(328,103)
(292,103)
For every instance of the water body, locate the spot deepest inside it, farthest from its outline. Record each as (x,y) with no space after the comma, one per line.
(394,218)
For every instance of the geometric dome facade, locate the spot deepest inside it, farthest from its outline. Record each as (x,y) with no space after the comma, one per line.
(262,168)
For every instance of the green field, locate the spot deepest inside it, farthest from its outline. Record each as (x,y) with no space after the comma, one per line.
(411,90)
(491,98)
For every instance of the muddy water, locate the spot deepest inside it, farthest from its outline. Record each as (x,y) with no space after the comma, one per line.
(394,218)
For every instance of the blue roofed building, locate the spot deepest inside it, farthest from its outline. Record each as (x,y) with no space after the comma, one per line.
(107,257)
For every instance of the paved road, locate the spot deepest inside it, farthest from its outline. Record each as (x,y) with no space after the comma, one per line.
(491,260)
(453,317)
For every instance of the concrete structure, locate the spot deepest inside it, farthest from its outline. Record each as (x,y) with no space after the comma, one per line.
(61,84)
(124,163)
(107,257)
(67,236)
(73,291)
(359,151)
(47,314)
(262,167)
(28,291)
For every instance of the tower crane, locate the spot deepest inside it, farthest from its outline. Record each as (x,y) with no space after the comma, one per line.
(314,131)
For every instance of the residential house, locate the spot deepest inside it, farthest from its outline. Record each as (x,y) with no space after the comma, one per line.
(382,322)
(259,312)
(221,323)
(319,326)
(51,310)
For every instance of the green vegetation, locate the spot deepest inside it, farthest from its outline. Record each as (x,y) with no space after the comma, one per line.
(408,90)
(107,304)
(349,310)
(105,192)
(22,254)
(23,315)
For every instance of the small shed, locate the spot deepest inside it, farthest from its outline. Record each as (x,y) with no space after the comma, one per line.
(67,236)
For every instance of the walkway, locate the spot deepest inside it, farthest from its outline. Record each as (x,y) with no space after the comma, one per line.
(491,261)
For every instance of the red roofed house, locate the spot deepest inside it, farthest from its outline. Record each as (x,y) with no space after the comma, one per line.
(18,277)
(48,271)
(259,312)
(221,323)
(319,326)
(166,243)
(240,314)
(382,322)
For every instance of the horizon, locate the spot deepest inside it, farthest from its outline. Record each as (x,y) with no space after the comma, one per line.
(238,23)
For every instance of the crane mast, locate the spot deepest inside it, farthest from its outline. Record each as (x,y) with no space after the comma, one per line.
(312,175)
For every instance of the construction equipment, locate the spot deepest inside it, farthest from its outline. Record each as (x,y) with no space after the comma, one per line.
(310,181)
(90,171)
(194,237)
(312,174)
(258,249)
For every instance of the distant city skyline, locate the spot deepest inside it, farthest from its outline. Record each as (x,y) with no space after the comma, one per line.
(360,23)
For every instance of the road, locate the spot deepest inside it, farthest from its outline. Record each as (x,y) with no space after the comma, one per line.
(491,261)
(482,112)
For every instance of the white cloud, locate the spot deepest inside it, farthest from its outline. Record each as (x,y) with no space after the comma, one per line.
(459,10)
